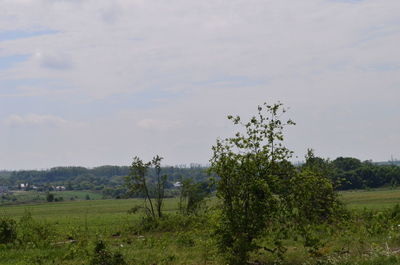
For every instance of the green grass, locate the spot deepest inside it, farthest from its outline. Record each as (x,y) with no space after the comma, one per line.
(114,213)
(98,215)
(109,220)
(78,195)
(29,197)
(371,199)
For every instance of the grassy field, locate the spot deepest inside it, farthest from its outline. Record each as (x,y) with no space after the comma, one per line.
(116,211)
(371,199)
(108,220)
(99,215)
(29,197)
(112,215)
(86,221)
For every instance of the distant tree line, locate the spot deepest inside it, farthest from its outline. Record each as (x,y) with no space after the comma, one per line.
(107,179)
(346,172)
(351,173)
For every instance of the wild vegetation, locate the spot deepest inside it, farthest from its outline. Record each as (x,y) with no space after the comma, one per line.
(258,208)
(69,232)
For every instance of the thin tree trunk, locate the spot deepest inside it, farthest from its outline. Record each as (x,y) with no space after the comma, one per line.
(148,197)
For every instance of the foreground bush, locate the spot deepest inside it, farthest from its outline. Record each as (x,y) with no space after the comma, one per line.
(103,256)
(8,230)
(32,233)
(260,189)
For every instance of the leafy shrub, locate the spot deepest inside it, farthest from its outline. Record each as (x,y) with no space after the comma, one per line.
(192,196)
(252,166)
(79,238)
(185,240)
(8,230)
(313,197)
(103,256)
(59,199)
(50,197)
(33,233)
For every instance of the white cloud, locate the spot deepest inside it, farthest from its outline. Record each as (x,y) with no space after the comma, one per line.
(329,60)
(35,120)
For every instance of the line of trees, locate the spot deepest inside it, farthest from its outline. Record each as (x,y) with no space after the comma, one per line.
(346,173)
(351,173)
(109,179)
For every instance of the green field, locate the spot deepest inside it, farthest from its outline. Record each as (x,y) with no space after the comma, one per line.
(99,215)
(108,220)
(371,199)
(115,212)
(29,197)
(112,215)
(74,227)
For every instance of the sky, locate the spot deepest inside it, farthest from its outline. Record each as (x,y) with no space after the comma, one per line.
(95,82)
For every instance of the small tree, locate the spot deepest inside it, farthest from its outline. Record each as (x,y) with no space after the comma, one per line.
(50,197)
(160,185)
(251,166)
(138,183)
(191,196)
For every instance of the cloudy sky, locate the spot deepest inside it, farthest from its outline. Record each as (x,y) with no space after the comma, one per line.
(93,82)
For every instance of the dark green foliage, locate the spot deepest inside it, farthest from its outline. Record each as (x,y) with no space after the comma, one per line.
(138,182)
(161,180)
(251,167)
(346,173)
(185,240)
(27,232)
(8,230)
(192,196)
(262,192)
(59,199)
(110,179)
(351,173)
(347,163)
(117,192)
(33,233)
(312,197)
(50,197)
(103,256)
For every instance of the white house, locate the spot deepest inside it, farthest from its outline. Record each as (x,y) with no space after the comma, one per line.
(177,184)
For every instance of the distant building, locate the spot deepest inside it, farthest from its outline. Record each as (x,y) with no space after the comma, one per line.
(23,186)
(177,184)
